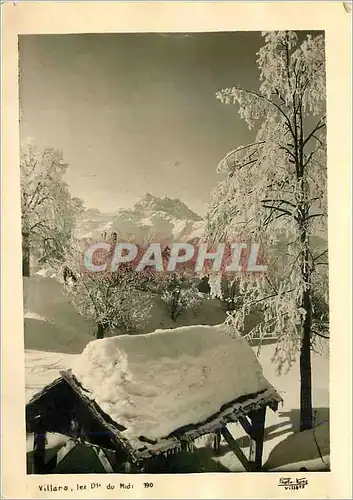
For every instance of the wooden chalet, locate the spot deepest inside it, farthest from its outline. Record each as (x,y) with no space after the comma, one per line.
(65,407)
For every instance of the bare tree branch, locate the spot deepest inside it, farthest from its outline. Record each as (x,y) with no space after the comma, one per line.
(278,209)
(320,124)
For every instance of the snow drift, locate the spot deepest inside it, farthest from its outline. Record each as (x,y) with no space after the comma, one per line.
(309,449)
(51,323)
(156,383)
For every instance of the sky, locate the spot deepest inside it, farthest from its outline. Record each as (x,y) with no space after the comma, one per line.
(136,113)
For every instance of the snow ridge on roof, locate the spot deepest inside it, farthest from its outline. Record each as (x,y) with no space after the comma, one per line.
(155,383)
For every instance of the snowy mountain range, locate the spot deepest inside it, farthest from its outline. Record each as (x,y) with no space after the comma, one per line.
(160,218)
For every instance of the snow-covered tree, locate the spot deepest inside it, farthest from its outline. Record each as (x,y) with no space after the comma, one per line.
(177,289)
(230,293)
(113,300)
(179,293)
(274,193)
(48,210)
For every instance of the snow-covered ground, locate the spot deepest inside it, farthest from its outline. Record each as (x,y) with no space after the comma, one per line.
(284,446)
(52,324)
(284,449)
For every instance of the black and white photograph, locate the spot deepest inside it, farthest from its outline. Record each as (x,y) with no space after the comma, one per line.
(175,252)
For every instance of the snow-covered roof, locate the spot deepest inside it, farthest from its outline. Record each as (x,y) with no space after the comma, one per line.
(160,386)
(156,383)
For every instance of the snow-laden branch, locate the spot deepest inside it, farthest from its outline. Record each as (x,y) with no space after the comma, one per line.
(234,92)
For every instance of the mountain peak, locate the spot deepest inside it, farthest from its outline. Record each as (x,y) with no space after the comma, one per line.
(171,206)
(165,217)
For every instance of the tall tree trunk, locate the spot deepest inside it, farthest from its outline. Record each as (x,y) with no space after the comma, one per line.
(306,404)
(100,330)
(25,255)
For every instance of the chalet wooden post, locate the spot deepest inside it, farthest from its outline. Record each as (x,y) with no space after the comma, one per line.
(252,452)
(184,445)
(65,450)
(217,442)
(104,459)
(39,441)
(113,459)
(257,438)
(127,466)
(131,467)
(233,445)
